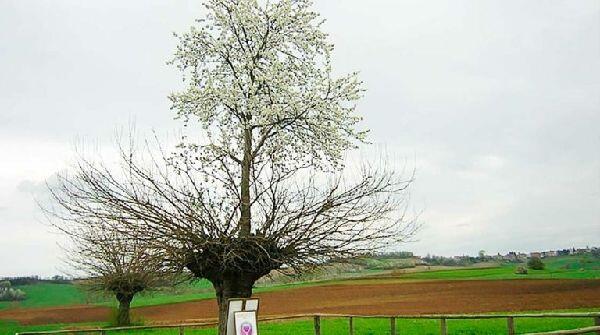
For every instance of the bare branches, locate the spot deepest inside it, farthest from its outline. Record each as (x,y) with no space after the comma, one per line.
(337,218)
(116,263)
(299,219)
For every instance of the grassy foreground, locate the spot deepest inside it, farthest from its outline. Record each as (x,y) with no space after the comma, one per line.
(362,327)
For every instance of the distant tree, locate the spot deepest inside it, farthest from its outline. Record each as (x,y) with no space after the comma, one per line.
(395,254)
(563,252)
(58,279)
(481,255)
(20,281)
(114,263)
(535,263)
(8,293)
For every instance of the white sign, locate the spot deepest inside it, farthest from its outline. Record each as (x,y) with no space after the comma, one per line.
(234,306)
(251,305)
(240,305)
(245,323)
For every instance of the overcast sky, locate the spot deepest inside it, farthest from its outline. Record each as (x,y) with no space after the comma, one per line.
(496,103)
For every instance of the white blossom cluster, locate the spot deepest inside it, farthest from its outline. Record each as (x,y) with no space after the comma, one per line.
(265,68)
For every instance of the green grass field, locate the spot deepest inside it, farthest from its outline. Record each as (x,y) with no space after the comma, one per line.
(48,295)
(362,327)
(45,295)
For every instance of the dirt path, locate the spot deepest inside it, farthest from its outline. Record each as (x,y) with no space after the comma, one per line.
(429,297)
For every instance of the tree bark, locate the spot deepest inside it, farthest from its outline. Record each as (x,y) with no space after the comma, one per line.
(245,217)
(123,317)
(237,285)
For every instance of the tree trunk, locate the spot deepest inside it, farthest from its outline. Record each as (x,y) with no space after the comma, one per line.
(123,318)
(245,210)
(238,285)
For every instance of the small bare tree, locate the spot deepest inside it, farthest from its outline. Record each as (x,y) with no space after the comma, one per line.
(122,265)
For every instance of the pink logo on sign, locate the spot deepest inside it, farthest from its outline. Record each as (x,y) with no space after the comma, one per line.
(246,328)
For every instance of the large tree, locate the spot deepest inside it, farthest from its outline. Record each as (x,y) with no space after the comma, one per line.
(257,182)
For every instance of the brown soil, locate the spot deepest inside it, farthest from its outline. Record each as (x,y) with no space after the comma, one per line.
(430,297)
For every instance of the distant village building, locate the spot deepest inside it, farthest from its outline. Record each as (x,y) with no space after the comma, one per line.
(582,251)
(511,256)
(550,253)
(419,261)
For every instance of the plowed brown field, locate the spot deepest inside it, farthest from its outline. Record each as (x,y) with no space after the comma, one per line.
(428,297)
